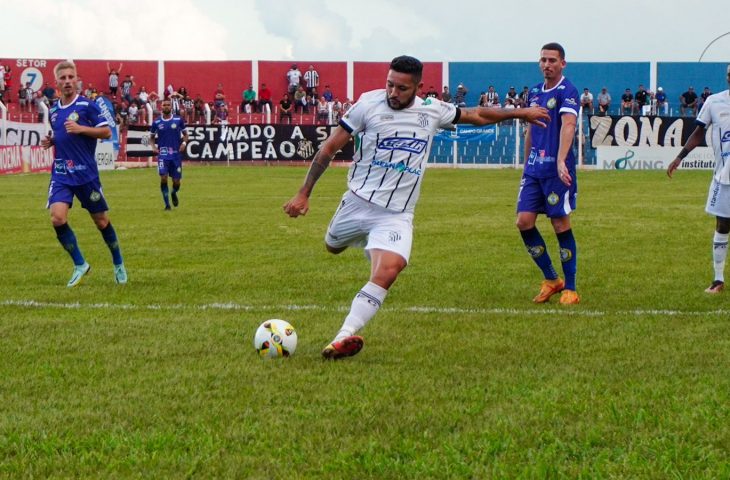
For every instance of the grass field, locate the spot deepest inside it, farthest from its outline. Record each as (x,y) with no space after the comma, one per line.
(461,376)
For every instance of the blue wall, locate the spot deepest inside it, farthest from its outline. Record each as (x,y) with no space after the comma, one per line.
(676,77)
(477,76)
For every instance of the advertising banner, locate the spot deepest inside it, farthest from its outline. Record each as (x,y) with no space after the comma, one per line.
(652,158)
(244,142)
(630,131)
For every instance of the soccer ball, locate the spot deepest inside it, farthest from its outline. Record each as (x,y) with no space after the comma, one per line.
(275,338)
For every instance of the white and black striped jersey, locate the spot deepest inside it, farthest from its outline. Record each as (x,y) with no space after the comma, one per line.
(715,112)
(394,145)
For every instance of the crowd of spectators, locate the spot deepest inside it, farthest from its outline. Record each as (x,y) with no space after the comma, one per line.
(132,102)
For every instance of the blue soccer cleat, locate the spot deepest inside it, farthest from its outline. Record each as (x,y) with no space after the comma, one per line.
(78,274)
(120,274)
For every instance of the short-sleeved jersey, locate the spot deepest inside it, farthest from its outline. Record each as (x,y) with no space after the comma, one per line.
(715,112)
(168,133)
(542,159)
(394,145)
(75,162)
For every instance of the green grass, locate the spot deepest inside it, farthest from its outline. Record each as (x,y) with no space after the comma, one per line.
(461,376)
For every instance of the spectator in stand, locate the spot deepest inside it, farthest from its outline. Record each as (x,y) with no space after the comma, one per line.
(25,97)
(641,99)
(512,93)
(346,105)
(315,96)
(524,95)
(221,113)
(604,102)
(8,79)
(285,107)
(50,93)
(39,98)
(293,78)
(627,102)
(323,111)
(311,79)
(445,95)
(248,105)
(127,85)
(2,78)
(189,108)
(265,98)
(133,114)
(703,97)
(79,86)
(300,100)
(176,103)
(586,101)
(153,100)
(688,101)
(113,79)
(327,94)
(509,103)
(143,96)
(432,93)
(662,107)
(492,98)
(199,106)
(219,96)
(460,95)
(336,111)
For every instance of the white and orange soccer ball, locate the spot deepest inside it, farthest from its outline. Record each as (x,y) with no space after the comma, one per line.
(275,339)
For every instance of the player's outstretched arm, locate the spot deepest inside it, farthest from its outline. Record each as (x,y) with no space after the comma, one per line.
(485,116)
(299,203)
(694,139)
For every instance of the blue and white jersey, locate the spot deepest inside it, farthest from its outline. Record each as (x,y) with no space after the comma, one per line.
(715,113)
(169,132)
(542,159)
(75,161)
(394,145)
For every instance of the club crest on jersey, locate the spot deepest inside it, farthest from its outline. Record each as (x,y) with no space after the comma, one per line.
(74,116)
(174,126)
(423,120)
(95,196)
(553,198)
(551,103)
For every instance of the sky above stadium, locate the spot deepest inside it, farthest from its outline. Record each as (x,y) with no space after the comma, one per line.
(366,30)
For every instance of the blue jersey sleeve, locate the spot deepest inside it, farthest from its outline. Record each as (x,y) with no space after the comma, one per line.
(569,100)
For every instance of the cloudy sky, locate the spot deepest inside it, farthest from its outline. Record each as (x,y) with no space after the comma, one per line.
(367,30)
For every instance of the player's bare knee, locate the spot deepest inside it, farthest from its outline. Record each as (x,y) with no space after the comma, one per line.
(523,224)
(57,220)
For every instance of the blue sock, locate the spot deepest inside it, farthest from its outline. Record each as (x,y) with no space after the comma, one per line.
(68,241)
(568,254)
(110,237)
(537,250)
(165,194)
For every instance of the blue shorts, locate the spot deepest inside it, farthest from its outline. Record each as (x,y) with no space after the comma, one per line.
(170,166)
(89,194)
(547,195)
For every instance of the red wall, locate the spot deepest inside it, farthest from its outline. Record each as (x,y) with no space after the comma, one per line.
(144,73)
(273,74)
(372,75)
(203,78)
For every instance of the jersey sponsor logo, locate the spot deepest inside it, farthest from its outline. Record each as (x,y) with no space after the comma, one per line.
(551,103)
(561,87)
(400,167)
(725,137)
(570,101)
(553,198)
(405,144)
(384,118)
(427,101)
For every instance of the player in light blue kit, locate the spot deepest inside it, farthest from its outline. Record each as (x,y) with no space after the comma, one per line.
(169,139)
(77,123)
(549,183)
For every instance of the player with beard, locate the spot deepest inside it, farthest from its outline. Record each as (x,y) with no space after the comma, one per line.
(395,128)
(169,139)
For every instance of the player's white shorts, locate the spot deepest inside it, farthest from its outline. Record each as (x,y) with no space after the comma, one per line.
(358,223)
(718,200)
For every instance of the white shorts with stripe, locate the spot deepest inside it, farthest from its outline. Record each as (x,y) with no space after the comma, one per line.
(359,223)
(718,200)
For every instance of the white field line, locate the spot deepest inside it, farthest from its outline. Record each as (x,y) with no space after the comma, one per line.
(416,309)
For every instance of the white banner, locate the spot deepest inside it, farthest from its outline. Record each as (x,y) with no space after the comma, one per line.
(24,134)
(652,158)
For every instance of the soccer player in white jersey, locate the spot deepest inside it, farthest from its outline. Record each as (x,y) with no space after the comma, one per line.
(396,129)
(716,112)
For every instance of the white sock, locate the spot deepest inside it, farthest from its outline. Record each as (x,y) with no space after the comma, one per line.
(364,307)
(719,253)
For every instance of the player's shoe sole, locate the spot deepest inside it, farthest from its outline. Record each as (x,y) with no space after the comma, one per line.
(79,272)
(346,347)
(716,287)
(548,288)
(120,274)
(175,201)
(569,297)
